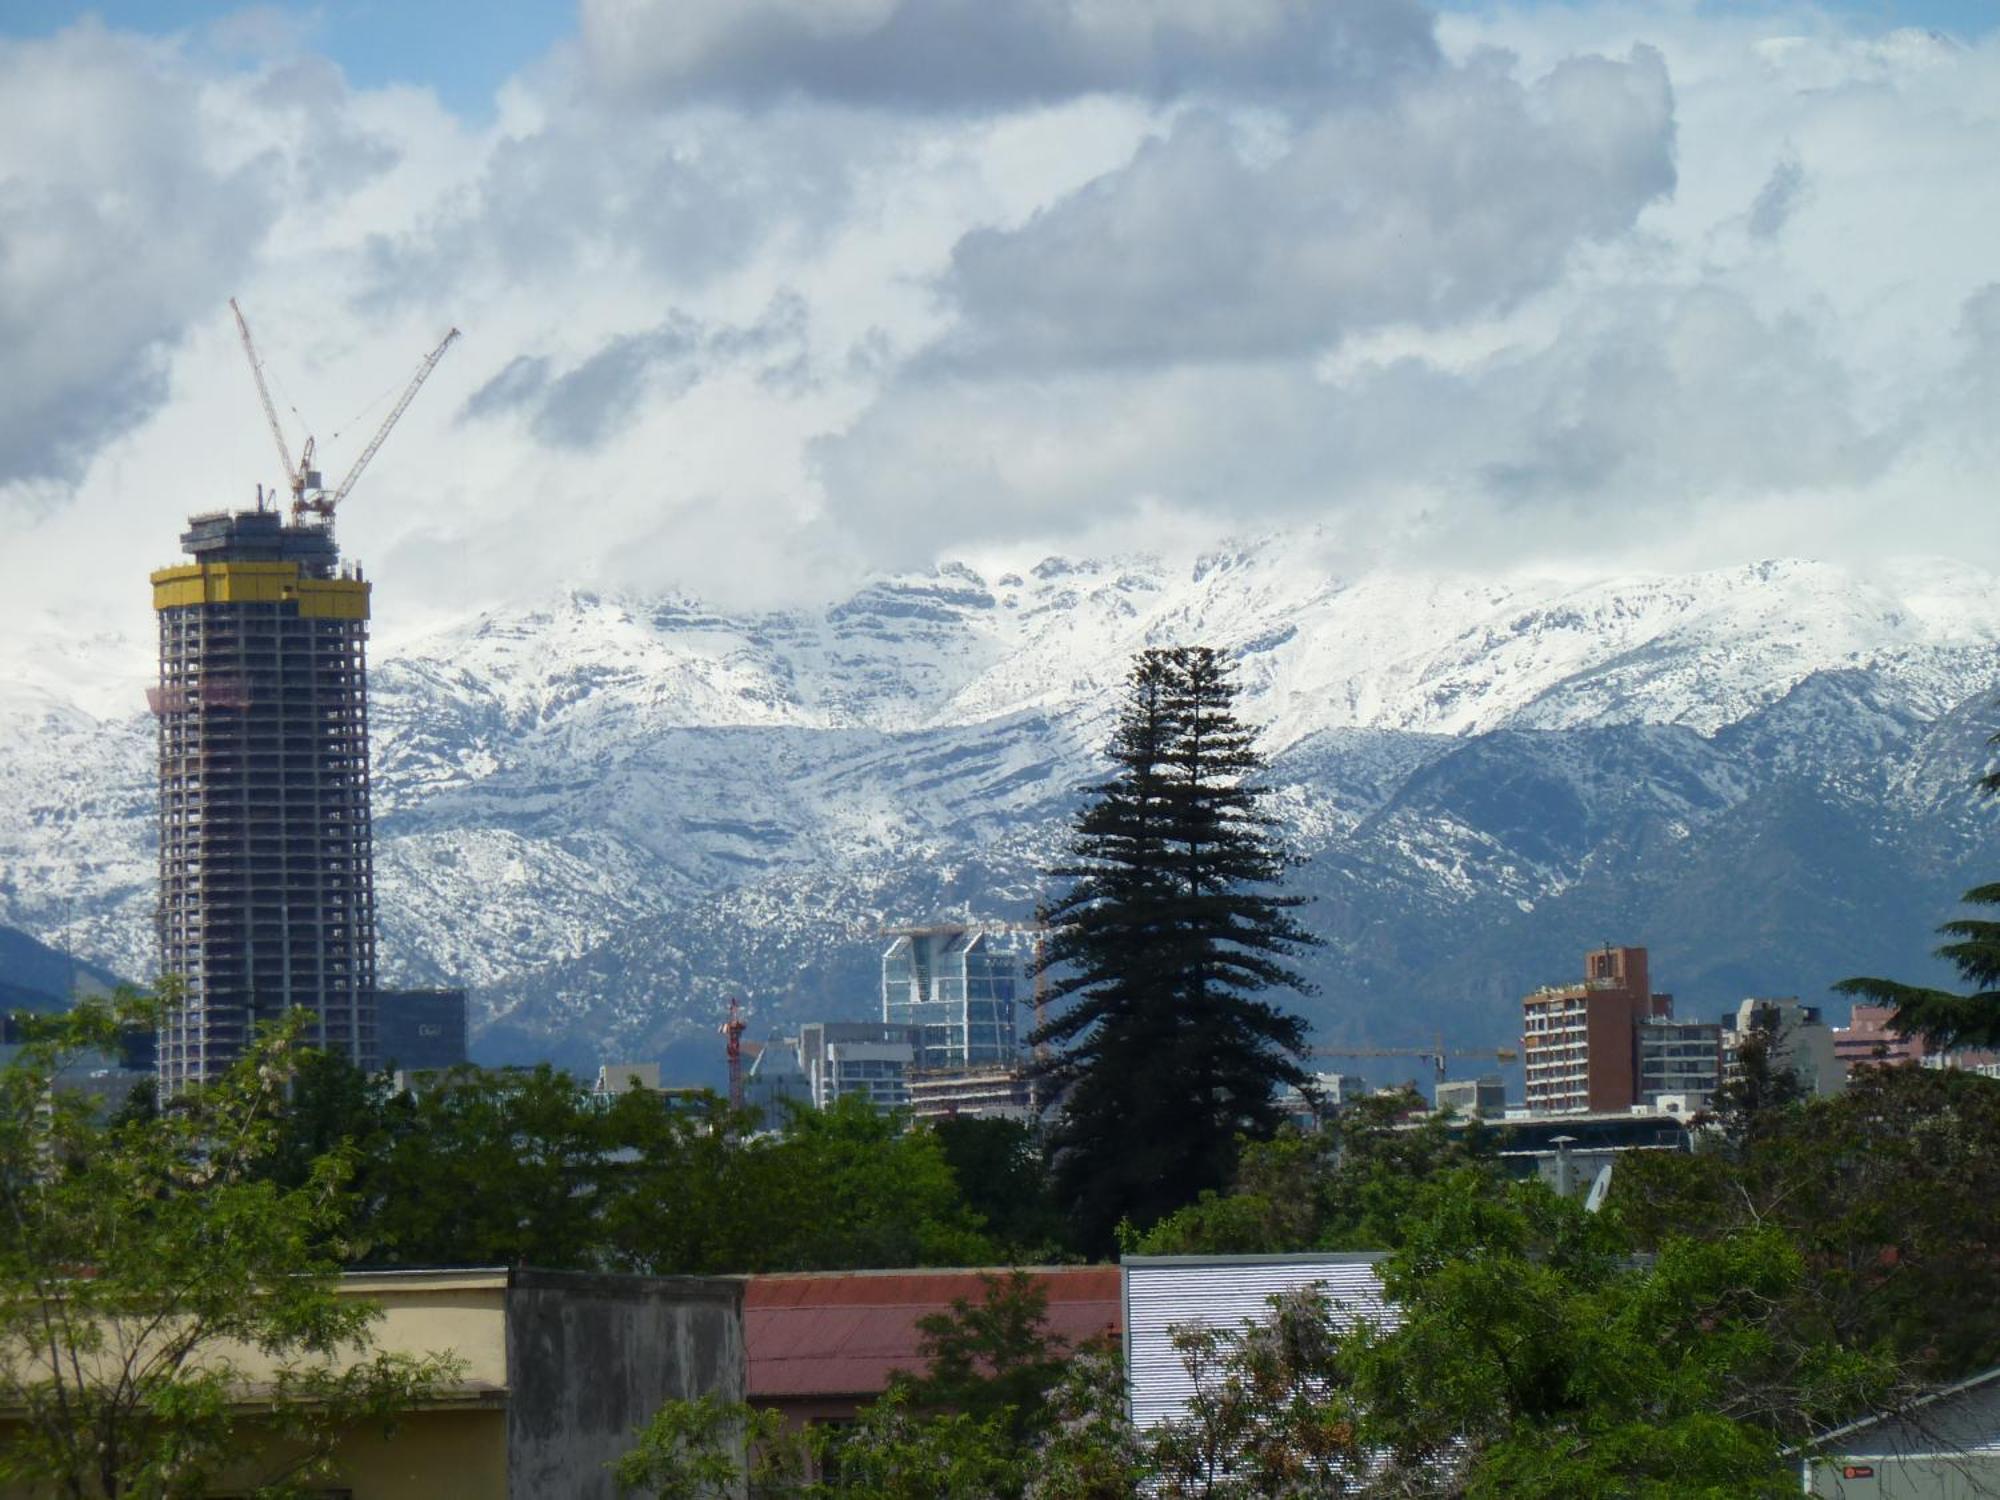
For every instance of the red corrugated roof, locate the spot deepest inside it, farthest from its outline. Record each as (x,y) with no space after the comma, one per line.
(845,1333)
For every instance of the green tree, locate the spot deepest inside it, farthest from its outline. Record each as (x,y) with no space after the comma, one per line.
(1887,1189)
(709,1449)
(1170,931)
(1088,1450)
(1000,1169)
(484,1167)
(994,1358)
(894,1452)
(149,1270)
(850,1186)
(1529,1355)
(1347,1186)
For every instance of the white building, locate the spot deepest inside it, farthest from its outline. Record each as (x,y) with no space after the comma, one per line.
(1165,1292)
(868,1058)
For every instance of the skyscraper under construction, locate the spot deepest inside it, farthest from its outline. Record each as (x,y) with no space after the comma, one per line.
(267,890)
(267,866)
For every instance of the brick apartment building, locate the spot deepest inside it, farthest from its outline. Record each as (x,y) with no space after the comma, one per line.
(1610,1042)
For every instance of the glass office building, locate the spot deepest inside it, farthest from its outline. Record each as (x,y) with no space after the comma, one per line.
(958,988)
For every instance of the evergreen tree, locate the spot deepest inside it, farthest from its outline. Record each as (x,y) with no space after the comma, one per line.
(1171,929)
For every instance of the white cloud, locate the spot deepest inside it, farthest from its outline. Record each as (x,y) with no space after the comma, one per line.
(750,318)
(116,227)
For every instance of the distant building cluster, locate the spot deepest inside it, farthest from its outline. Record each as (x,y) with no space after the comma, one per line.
(948,1042)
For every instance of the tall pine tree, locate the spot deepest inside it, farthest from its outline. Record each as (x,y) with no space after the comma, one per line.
(1163,1049)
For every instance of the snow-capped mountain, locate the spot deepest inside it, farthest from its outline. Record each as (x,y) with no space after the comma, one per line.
(605,813)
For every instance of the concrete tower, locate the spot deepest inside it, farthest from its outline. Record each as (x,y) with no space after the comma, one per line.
(267,885)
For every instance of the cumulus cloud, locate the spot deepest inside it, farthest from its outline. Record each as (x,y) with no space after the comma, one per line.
(789,299)
(1454,198)
(966,54)
(1641,406)
(116,225)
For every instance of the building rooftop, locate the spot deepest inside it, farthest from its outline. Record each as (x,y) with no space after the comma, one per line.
(845,1333)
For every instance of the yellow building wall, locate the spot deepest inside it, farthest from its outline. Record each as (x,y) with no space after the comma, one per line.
(431,1455)
(456,1448)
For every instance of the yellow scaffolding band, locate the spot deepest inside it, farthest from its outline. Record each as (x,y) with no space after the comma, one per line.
(260,583)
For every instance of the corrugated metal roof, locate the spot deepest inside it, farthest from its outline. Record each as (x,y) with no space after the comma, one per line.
(1167,1292)
(846,1333)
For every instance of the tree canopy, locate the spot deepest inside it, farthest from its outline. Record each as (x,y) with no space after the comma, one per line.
(150,1272)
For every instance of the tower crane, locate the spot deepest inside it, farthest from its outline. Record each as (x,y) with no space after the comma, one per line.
(732,1037)
(295,476)
(1436,1056)
(309,496)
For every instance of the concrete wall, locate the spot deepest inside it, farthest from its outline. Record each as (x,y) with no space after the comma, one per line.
(590,1358)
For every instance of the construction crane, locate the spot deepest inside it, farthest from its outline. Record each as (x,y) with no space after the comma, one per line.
(295,475)
(309,495)
(1436,1056)
(732,1046)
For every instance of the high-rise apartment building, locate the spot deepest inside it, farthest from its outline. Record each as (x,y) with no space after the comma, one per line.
(1580,1042)
(267,891)
(958,988)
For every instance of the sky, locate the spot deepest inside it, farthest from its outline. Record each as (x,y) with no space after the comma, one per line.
(759,297)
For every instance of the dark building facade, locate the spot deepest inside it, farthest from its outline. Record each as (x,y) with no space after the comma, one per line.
(267,889)
(420,1031)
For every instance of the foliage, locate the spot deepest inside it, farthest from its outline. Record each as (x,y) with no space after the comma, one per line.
(708,1449)
(999,1167)
(150,1271)
(1887,1190)
(1088,1450)
(895,1453)
(848,1186)
(1347,1186)
(1530,1355)
(525,1167)
(992,1359)
(1170,930)
(1269,1416)
(1943,1018)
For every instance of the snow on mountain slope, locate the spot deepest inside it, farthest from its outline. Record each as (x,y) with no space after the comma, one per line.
(598,810)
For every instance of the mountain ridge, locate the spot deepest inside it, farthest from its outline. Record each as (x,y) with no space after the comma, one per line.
(607,811)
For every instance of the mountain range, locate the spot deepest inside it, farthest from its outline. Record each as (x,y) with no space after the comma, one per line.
(607,813)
